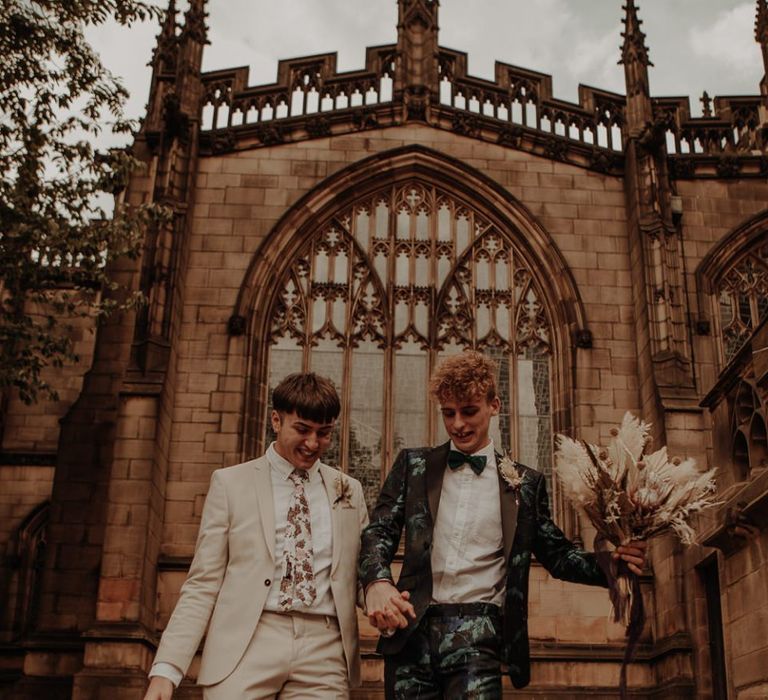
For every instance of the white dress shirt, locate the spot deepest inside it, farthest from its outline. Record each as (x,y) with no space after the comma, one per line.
(322,544)
(322,533)
(468,543)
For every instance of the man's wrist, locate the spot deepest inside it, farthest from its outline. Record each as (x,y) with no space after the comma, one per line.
(165,670)
(379,580)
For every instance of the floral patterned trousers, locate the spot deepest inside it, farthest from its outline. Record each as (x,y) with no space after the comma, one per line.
(453,653)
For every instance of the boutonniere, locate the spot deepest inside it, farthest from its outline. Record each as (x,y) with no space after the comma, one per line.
(510,474)
(343,491)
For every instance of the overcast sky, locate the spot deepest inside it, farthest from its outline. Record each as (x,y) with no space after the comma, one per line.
(695,45)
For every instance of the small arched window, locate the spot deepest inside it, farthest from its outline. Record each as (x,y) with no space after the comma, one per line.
(28,558)
(742,296)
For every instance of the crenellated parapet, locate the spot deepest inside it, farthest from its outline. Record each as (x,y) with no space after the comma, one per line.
(730,140)
(311,99)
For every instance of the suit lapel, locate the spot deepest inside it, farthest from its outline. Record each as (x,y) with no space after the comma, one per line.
(435,468)
(329,476)
(266,503)
(509,508)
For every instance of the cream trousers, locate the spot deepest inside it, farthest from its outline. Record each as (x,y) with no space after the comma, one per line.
(291,655)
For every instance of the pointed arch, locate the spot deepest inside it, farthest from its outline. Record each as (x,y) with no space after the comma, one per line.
(26,554)
(732,280)
(402,258)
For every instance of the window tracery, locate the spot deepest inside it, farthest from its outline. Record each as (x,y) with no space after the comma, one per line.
(387,287)
(742,296)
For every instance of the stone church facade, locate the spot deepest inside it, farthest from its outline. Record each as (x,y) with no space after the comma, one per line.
(611,255)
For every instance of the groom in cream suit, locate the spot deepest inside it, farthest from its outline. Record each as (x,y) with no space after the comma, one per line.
(273,579)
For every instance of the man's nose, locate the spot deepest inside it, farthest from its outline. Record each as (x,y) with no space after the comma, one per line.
(312,440)
(457,422)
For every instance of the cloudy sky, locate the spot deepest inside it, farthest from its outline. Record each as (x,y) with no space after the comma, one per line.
(695,45)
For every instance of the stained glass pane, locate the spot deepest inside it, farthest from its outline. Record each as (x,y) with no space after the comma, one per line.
(362,229)
(409,418)
(726,309)
(501,428)
(535,413)
(366,419)
(328,361)
(285,358)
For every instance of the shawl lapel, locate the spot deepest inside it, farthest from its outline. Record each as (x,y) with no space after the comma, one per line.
(329,476)
(509,508)
(265,502)
(436,461)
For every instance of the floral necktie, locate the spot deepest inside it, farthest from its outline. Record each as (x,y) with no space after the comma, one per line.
(298,582)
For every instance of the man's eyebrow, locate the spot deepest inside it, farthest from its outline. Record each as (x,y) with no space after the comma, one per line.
(301,424)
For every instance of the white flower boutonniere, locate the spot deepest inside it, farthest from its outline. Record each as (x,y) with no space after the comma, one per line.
(510,474)
(343,491)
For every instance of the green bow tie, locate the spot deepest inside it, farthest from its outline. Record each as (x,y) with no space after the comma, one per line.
(456,459)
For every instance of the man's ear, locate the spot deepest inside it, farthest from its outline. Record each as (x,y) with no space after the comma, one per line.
(495,405)
(276,420)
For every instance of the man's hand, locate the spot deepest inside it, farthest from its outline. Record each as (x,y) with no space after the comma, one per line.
(633,554)
(160,688)
(387,607)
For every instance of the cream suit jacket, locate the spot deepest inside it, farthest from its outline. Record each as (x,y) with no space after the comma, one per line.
(234,562)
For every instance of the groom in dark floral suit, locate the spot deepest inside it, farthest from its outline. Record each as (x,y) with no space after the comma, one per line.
(472,521)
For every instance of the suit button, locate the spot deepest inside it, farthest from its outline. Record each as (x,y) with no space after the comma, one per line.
(267,582)
(427,545)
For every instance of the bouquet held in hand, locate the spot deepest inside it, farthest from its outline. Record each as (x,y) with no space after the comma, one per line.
(628,496)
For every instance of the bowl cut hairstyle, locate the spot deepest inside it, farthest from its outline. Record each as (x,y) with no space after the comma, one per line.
(309,395)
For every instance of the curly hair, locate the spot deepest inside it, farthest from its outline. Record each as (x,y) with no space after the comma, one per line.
(464,376)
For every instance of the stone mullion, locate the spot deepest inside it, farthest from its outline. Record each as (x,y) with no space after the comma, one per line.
(390,352)
(346,381)
(512,353)
(307,348)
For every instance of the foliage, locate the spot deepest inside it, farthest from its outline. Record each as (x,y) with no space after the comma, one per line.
(56,239)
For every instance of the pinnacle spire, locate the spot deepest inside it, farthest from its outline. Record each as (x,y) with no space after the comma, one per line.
(164,55)
(761,22)
(424,11)
(195,27)
(634,48)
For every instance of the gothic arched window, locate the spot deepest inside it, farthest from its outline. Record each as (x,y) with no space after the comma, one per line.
(742,295)
(386,288)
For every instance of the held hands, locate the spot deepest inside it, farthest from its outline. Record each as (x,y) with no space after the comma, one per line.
(160,688)
(633,554)
(387,607)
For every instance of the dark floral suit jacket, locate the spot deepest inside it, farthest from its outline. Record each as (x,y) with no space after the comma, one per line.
(410,498)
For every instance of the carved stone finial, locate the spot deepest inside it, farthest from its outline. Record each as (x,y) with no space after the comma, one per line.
(634,49)
(424,11)
(706,103)
(195,27)
(164,54)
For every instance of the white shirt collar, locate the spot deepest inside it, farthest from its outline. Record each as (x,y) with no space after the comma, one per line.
(284,468)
